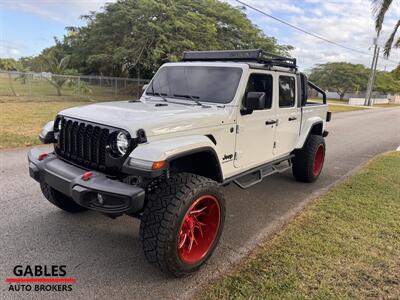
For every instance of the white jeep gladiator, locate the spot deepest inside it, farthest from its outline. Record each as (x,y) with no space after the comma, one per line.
(216,117)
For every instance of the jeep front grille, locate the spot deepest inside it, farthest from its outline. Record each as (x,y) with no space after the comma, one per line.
(82,143)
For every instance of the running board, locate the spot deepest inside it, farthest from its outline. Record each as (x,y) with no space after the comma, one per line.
(255,176)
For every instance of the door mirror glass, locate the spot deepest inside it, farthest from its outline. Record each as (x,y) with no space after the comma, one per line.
(254,101)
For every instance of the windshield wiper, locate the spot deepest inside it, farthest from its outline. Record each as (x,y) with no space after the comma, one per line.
(166,100)
(193,98)
(159,95)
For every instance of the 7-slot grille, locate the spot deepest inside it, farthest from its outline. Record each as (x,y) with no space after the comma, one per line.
(83,143)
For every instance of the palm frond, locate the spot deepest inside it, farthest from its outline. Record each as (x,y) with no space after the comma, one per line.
(389,42)
(50,62)
(64,62)
(379,9)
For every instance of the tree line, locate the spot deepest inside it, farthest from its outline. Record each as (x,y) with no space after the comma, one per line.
(343,77)
(132,38)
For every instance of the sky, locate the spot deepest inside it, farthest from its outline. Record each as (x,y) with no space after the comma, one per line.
(28,26)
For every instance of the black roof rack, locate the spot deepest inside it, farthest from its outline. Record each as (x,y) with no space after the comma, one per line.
(254,55)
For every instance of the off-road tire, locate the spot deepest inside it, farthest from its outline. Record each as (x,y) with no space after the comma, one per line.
(167,205)
(305,159)
(60,200)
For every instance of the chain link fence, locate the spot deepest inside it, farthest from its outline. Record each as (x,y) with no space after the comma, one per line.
(335,96)
(29,85)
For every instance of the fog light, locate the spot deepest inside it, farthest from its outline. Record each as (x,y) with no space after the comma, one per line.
(100,199)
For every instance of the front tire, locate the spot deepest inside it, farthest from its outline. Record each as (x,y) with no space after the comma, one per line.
(60,200)
(308,161)
(182,223)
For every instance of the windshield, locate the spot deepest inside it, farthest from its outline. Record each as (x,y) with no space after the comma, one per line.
(196,83)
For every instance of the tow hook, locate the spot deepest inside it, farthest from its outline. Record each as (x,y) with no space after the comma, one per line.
(87,175)
(42,156)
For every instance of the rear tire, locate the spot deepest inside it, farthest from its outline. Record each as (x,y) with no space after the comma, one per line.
(308,161)
(60,200)
(182,223)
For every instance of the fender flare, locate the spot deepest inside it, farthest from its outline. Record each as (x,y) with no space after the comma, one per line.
(211,151)
(171,149)
(307,128)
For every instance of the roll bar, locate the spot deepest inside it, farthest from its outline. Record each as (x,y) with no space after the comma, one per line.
(316,87)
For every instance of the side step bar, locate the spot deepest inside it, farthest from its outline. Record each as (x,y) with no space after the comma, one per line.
(256,175)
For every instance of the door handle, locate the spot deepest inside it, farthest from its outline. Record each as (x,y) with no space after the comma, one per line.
(270,122)
(292,118)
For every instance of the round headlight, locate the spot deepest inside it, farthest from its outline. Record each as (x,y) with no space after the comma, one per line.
(122,143)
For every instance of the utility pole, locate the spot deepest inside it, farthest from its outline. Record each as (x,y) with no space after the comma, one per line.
(371,100)
(371,78)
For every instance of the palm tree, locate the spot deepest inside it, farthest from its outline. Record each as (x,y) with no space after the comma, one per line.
(57,68)
(379,8)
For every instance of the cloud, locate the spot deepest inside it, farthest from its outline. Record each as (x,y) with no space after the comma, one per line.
(11,49)
(62,11)
(272,6)
(349,23)
(277,6)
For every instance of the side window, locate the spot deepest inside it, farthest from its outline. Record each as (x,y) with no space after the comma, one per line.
(287,88)
(261,83)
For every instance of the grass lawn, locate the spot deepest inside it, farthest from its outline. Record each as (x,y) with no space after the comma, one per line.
(329,100)
(343,108)
(23,116)
(21,122)
(41,90)
(345,245)
(388,105)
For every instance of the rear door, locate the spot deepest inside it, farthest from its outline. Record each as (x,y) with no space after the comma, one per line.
(288,115)
(256,131)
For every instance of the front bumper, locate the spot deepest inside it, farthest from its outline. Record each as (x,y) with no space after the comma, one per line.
(116,197)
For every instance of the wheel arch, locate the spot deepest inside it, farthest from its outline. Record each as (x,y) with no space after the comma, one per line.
(201,161)
(313,126)
(317,128)
(195,154)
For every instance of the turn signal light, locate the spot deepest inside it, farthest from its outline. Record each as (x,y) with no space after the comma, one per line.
(157,165)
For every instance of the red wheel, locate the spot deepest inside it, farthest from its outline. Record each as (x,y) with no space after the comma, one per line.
(182,223)
(199,229)
(318,160)
(309,160)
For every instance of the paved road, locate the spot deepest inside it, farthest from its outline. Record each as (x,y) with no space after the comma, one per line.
(105,255)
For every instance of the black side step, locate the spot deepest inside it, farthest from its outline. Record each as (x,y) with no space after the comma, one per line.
(256,175)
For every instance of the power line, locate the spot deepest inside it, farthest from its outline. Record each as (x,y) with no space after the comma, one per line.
(306,31)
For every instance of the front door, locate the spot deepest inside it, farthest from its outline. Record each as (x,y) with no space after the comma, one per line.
(256,130)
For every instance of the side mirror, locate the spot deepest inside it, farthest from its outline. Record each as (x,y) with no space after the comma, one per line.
(253,101)
(144,87)
(304,89)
